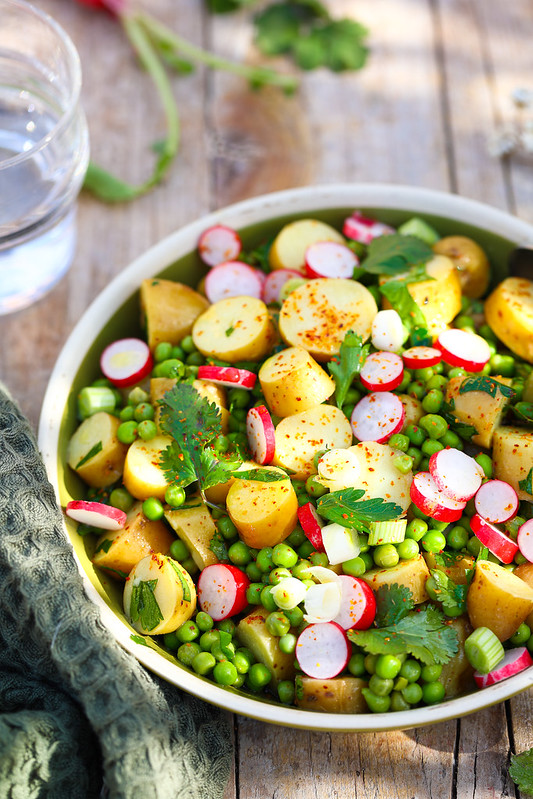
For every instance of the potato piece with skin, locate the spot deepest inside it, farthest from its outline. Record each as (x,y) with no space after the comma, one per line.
(498,599)
(470,261)
(251,631)
(289,246)
(525,572)
(317,315)
(97,434)
(337,695)
(413,410)
(509,312)
(168,310)
(478,408)
(413,574)
(143,476)
(512,457)
(159,595)
(195,526)
(456,570)
(301,436)
(211,391)
(119,551)
(379,476)
(457,674)
(263,513)
(292,381)
(235,329)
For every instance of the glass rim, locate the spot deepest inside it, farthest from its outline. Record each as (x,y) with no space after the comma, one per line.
(74,63)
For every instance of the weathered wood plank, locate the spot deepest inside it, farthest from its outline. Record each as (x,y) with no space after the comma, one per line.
(483,756)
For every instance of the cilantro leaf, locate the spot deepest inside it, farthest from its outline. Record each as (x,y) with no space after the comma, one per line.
(393,603)
(260,475)
(104,546)
(524,411)
(345,508)
(213,471)
(527,483)
(138,639)
(394,253)
(177,466)
(190,418)
(449,594)
(422,634)
(486,384)
(144,606)
(352,355)
(92,452)
(398,295)
(218,547)
(465,431)
(521,770)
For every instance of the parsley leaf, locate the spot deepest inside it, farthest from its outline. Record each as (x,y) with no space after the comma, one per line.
(344,507)
(521,770)
(413,319)
(449,594)
(394,253)
(260,475)
(421,634)
(143,605)
(393,603)
(218,546)
(527,483)
(343,369)
(92,452)
(486,384)
(523,410)
(465,431)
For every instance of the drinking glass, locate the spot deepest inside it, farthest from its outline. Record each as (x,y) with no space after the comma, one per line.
(44,152)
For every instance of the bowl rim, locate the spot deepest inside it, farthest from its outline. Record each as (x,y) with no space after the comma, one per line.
(150,263)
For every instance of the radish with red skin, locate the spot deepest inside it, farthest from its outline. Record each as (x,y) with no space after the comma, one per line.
(218,244)
(525,540)
(311,525)
(261,435)
(228,376)
(96,514)
(330,259)
(419,357)
(433,502)
(455,473)
(377,417)
(364,229)
(358,604)
(126,362)
(496,501)
(513,662)
(494,539)
(232,279)
(274,282)
(382,371)
(464,349)
(222,590)
(323,650)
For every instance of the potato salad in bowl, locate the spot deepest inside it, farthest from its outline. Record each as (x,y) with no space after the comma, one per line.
(296,460)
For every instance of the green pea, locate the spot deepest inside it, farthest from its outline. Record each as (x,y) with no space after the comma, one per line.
(438,382)
(171,368)
(353,395)
(398,703)
(278,574)
(209,639)
(239,553)
(347,410)
(521,636)
(451,439)
(287,643)
(240,414)
(162,351)
(406,380)
(354,567)
(380,686)
(144,410)
(456,371)
(175,496)
(264,560)
(412,693)
(356,664)
(187,632)
(225,673)
(190,565)
(363,543)
(424,374)
(286,692)
(473,546)
(436,525)
(314,488)
(137,395)
(171,641)
(404,463)
(368,560)
(242,662)
(416,390)
(147,430)
(430,446)
(486,332)
(127,432)
(187,652)
(203,663)
(295,616)
(204,622)
(433,692)
(529,644)
(457,538)
(415,434)
(399,441)
(388,667)
(259,676)
(430,673)
(452,611)
(226,527)
(179,550)
(370,663)
(503,365)
(301,569)
(253,573)
(283,555)
(87,529)
(153,509)
(267,600)
(411,670)
(376,704)
(415,455)
(223,653)
(433,400)
(464,323)
(126,413)
(296,538)
(277,623)
(485,462)
(386,556)
(416,529)
(434,425)
(187,345)
(253,593)
(408,549)
(121,498)
(319,559)
(434,541)
(238,398)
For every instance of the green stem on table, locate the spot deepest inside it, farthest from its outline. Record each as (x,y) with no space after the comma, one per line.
(258,76)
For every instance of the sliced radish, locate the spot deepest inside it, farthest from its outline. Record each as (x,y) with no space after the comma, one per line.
(218,244)
(232,279)
(222,590)
(323,650)
(311,525)
(363,228)
(341,543)
(358,604)
(96,514)
(514,661)
(126,361)
(494,539)
(525,540)
(461,348)
(420,357)
(330,259)
(456,474)
(260,274)
(377,417)
(496,501)
(261,435)
(388,332)
(382,371)
(433,502)
(228,376)
(275,281)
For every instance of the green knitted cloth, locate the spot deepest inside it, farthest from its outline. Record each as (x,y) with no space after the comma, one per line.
(80,717)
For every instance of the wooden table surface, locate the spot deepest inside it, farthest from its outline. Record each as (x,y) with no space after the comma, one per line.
(436,88)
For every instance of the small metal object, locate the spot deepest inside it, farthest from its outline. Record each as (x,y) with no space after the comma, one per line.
(521,262)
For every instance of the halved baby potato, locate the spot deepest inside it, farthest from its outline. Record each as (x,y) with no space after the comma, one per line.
(292,381)
(470,261)
(235,329)
(509,312)
(289,246)
(97,435)
(317,315)
(168,310)
(196,528)
(512,457)
(477,408)
(412,574)
(143,476)
(337,695)
(159,595)
(252,633)
(498,599)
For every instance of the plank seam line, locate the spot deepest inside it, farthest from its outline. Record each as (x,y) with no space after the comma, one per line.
(444,98)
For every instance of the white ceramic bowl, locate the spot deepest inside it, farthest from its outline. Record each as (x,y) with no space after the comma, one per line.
(114,312)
